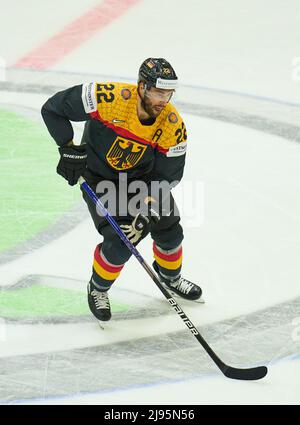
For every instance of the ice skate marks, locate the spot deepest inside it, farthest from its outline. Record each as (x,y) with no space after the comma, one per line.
(56,299)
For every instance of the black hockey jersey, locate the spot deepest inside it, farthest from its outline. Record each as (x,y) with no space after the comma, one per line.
(116,139)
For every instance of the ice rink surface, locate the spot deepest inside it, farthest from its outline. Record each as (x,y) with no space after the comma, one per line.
(238,65)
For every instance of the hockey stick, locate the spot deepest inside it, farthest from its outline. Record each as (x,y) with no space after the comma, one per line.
(230,372)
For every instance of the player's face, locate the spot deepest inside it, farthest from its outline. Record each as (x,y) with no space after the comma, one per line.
(154,100)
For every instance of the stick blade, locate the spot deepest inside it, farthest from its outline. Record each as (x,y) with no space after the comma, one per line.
(252,374)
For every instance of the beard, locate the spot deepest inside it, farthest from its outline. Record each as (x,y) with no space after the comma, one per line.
(147,106)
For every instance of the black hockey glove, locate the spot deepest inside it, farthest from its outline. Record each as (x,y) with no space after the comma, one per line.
(140,225)
(72,163)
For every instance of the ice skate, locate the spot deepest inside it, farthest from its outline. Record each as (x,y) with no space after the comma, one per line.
(98,303)
(180,287)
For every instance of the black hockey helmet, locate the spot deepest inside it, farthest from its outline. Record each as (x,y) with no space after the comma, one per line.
(157,72)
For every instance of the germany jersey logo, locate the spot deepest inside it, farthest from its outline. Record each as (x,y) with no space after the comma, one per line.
(125,154)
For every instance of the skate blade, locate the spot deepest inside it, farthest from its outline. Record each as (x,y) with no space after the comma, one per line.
(178,297)
(101,324)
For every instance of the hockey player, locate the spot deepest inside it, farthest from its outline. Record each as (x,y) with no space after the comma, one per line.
(131,130)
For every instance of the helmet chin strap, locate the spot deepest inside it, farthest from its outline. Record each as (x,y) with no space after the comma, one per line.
(146,88)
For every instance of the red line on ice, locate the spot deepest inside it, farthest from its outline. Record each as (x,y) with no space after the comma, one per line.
(74,34)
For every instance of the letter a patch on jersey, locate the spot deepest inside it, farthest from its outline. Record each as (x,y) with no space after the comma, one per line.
(125,154)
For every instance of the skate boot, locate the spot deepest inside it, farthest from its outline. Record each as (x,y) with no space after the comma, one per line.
(98,302)
(180,286)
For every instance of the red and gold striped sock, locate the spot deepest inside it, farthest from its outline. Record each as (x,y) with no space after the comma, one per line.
(169,261)
(104,272)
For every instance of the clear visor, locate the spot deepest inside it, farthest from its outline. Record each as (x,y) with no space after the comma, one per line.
(160,95)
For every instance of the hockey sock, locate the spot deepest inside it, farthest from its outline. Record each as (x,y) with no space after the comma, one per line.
(168,261)
(104,272)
